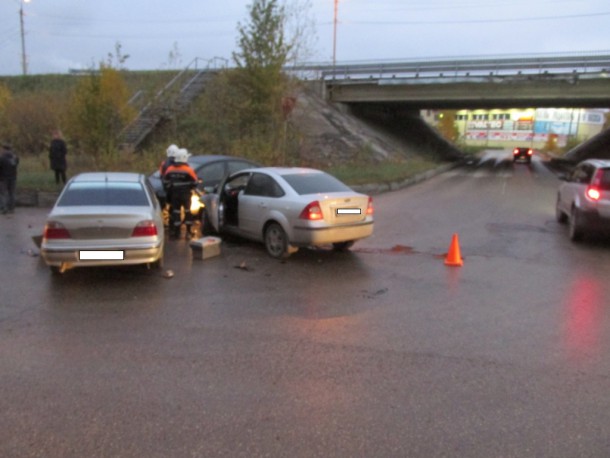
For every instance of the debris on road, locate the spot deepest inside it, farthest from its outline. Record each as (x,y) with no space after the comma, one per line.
(243,266)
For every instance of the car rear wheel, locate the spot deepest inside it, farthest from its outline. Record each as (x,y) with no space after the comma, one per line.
(157,265)
(343,246)
(576,232)
(560,216)
(56,270)
(276,241)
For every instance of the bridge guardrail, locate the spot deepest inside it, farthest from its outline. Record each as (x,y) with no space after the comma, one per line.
(583,63)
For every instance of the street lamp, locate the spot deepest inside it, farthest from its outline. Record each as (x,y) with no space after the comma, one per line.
(24,62)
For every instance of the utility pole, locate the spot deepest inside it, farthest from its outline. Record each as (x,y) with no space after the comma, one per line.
(335,34)
(24,61)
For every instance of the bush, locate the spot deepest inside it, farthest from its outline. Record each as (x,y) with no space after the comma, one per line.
(28,119)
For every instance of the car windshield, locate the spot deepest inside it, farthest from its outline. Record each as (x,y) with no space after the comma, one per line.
(104,193)
(315,183)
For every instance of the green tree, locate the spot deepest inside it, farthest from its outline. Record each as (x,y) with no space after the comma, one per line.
(99,111)
(261,84)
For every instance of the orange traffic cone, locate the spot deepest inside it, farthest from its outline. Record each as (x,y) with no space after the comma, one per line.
(454,257)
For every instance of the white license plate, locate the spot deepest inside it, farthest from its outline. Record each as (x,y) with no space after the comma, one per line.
(101,255)
(349,211)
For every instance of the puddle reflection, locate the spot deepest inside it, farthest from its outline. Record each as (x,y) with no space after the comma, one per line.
(583,312)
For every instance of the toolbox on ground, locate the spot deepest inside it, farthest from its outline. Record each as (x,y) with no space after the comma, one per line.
(205,247)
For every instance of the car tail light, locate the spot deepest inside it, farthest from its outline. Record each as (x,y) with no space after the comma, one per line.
(312,212)
(145,229)
(530,152)
(593,191)
(369,208)
(54,230)
(516,151)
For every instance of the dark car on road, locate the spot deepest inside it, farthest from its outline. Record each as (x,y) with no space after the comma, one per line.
(583,198)
(523,154)
(211,169)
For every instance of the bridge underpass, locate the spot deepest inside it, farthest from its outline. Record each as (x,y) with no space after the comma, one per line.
(493,92)
(391,95)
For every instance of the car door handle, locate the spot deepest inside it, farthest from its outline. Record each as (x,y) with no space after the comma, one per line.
(262,205)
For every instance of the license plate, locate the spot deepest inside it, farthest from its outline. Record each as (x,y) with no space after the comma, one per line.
(101,255)
(349,211)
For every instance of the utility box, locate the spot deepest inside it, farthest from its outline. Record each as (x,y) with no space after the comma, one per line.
(205,247)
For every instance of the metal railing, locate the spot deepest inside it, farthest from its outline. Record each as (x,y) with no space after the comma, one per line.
(167,100)
(462,66)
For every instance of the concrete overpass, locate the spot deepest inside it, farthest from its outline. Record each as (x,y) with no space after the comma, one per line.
(486,82)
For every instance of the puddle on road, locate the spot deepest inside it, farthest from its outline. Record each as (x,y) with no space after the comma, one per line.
(396,249)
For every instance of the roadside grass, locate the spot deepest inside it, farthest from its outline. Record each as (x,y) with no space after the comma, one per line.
(384,172)
(35,174)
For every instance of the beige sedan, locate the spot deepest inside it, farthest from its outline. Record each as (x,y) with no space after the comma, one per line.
(104,219)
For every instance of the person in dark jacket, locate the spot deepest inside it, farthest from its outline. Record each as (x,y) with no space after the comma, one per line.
(57,156)
(8,179)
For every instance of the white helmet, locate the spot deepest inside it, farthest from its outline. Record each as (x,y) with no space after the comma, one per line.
(172,150)
(182,155)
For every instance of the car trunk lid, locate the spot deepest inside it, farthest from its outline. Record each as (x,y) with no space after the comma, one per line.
(92,223)
(343,208)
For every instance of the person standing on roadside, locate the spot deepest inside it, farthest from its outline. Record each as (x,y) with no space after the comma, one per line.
(8,179)
(57,156)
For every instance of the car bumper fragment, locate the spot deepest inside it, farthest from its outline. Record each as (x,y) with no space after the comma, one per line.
(72,257)
(333,234)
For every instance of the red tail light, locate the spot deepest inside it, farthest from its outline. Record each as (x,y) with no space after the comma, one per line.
(145,229)
(312,212)
(530,152)
(593,193)
(54,231)
(369,208)
(515,151)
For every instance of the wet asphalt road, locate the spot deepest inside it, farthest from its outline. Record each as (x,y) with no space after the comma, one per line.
(380,352)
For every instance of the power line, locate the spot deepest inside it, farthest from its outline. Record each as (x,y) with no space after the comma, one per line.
(476,21)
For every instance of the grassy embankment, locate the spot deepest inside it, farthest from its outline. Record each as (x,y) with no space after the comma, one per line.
(34,172)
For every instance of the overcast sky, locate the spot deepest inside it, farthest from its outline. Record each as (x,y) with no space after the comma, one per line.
(64,34)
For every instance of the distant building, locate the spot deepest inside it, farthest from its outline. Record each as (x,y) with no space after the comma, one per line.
(507,128)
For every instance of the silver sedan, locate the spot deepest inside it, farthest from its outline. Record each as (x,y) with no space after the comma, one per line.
(583,199)
(103,219)
(287,208)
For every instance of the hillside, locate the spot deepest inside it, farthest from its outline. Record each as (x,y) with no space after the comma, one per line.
(327,135)
(338,134)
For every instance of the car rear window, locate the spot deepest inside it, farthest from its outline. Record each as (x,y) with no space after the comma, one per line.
(315,183)
(605,182)
(104,193)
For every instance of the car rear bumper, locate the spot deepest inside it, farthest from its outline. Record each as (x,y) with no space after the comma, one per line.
(71,256)
(333,234)
(593,221)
